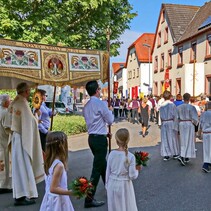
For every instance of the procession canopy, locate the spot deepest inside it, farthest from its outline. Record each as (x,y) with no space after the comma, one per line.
(47,64)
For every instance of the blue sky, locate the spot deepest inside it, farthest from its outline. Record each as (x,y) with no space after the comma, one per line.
(146,21)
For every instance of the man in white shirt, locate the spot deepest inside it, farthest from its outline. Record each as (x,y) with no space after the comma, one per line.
(97,116)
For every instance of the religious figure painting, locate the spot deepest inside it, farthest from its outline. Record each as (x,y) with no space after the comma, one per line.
(54,65)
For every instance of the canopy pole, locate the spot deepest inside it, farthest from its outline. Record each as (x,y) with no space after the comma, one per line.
(108,33)
(54,97)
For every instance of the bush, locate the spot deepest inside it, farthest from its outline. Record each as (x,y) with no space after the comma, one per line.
(70,125)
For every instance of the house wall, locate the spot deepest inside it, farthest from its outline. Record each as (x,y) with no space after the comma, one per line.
(184,72)
(133,73)
(124,82)
(158,75)
(145,68)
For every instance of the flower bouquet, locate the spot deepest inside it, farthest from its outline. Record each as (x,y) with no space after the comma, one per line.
(81,187)
(141,158)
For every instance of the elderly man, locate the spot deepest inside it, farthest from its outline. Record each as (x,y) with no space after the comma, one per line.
(27,159)
(5,177)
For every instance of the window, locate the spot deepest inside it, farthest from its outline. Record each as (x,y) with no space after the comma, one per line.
(169,59)
(193,51)
(156,64)
(208,47)
(134,73)
(180,56)
(166,35)
(137,72)
(162,62)
(163,17)
(130,75)
(159,39)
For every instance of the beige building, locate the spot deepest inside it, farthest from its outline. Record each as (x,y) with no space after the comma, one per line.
(182,47)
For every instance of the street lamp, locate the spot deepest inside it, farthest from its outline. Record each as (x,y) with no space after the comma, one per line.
(149,47)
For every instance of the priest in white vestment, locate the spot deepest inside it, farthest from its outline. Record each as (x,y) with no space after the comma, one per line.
(5,174)
(27,158)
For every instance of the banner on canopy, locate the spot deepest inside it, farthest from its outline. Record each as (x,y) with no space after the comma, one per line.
(47,64)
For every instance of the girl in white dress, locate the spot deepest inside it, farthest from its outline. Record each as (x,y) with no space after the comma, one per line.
(121,170)
(56,196)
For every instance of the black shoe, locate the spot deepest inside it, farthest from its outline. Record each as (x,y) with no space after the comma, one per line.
(93,203)
(206,168)
(187,160)
(166,158)
(176,157)
(25,201)
(181,160)
(5,190)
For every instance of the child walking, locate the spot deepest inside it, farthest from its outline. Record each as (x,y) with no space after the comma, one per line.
(121,170)
(56,196)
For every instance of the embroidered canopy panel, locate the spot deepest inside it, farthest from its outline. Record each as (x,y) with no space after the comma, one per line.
(46,64)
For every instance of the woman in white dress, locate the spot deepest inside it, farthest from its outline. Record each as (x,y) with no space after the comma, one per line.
(121,170)
(56,196)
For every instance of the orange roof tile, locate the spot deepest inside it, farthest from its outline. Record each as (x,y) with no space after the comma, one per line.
(142,51)
(117,66)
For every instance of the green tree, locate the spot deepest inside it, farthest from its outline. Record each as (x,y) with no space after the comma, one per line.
(73,23)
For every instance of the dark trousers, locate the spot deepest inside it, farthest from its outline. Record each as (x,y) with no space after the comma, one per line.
(135,115)
(99,146)
(43,140)
(116,112)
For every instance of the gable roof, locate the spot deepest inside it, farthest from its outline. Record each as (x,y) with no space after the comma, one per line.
(142,52)
(178,16)
(194,28)
(117,66)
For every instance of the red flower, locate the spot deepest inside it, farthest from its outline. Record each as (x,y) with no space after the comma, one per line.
(81,187)
(141,158)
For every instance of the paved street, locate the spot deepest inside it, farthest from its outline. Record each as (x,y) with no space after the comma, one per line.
(161,186)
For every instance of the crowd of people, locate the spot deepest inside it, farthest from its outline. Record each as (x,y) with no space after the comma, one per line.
(25,138)
(182,121)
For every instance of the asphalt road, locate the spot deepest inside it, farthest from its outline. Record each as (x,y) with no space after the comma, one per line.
(161,186)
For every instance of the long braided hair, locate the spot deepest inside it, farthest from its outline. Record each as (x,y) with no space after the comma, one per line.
(122,137)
